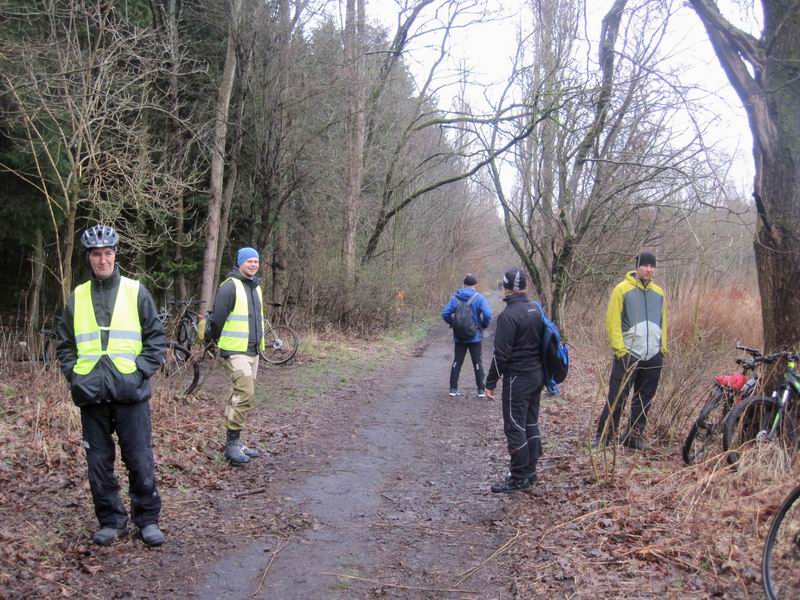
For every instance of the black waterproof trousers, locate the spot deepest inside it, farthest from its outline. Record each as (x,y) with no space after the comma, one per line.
(521,395)
(131,422)
(627,373)
(475,355)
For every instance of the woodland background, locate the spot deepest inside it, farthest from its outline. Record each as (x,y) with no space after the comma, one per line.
(196,127)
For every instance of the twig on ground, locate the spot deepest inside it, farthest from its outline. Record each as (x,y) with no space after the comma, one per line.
(402,587)
(470,572)
(280,547)
(250,492)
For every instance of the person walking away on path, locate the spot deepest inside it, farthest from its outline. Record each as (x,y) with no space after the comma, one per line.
(636,324)
(468,326)
(237,326)
(517,359)
(110,342)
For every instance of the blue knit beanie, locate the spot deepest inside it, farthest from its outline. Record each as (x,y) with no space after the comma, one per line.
(245,254)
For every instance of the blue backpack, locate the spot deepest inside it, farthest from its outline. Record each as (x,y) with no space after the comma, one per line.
(555,354)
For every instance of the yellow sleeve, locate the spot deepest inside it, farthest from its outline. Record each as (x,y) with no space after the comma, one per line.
(614,323)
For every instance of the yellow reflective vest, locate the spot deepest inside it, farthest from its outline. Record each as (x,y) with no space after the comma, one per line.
(236,331)
(124,332)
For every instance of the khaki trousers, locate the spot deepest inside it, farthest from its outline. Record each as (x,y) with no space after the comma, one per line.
(243,370)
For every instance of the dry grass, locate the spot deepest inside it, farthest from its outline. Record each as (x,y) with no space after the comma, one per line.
(650,526)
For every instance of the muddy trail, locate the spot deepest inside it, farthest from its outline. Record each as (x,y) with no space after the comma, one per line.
(394,489)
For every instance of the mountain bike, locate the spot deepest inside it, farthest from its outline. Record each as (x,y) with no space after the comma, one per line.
(727,391)
(180,371)
(764,420)
(280,341)
(780,564)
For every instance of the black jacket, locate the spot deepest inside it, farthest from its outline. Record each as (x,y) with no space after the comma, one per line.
(517,341)
(224,302)
(104,383)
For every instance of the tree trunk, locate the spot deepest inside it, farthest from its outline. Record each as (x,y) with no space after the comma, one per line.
(35,292)
(210,258)
(356,134)
(764,73)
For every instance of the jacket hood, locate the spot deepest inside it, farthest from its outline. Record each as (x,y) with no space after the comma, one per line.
(466,293)
(631,278)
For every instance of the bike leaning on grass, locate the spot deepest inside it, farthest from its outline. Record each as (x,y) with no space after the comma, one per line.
(780,563)
(728,390)
(767,420)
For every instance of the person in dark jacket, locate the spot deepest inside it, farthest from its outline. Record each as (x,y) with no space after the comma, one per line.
(237,326)
(517,359)
(110,342)
(481,317)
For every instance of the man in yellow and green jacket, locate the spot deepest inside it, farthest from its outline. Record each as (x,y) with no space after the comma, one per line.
(110,342)
(237,325)
(636,324)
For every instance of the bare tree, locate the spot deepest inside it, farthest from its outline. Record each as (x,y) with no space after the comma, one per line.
(599,175)
(765,73)
(210,257)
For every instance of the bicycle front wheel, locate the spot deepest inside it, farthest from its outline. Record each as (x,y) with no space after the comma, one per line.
(180,372)
(706,428)
(750,424)
(281,345)
(780,565)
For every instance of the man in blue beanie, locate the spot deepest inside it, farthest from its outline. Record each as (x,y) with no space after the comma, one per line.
(237,326)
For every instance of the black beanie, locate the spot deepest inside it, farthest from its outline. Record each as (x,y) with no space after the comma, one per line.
(646,258)
(469,279)
(514,280)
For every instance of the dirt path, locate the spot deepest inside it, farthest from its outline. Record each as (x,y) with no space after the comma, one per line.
(396,490)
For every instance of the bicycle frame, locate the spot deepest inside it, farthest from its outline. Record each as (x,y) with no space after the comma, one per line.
(791,384)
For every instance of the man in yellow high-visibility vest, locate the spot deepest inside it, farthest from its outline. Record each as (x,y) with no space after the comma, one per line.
(237,325)
(110,341)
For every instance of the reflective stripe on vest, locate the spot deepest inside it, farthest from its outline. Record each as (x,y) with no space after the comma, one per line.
(236,331)
(124,333)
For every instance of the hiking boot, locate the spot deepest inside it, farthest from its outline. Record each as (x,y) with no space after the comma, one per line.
(151,535)
(106,536)
(598,441)
(633,440)
(481,393)
(233,449)
(511,484)
(454,392)
(250,452)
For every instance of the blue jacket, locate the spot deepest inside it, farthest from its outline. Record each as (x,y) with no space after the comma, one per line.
(481,312)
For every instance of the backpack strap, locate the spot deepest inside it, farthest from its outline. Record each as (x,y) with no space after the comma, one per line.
(471,298)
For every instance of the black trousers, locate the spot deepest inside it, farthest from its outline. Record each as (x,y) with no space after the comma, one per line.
(131,422)
(475,355)
(521,395)
(627,373)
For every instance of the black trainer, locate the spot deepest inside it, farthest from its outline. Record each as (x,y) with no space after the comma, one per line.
(633,440)
(512,484)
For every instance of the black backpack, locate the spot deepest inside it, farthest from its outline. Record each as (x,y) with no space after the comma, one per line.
(464,326)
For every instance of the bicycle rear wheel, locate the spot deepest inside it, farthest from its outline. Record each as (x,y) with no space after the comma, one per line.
(281,345)
(780,565)
(750,422)
(706,428)
(180,372)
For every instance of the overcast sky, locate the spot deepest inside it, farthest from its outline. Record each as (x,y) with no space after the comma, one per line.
(487,48)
